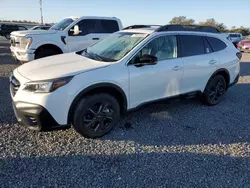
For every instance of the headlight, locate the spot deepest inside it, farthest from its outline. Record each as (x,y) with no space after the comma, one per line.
(46,86)
(25,42)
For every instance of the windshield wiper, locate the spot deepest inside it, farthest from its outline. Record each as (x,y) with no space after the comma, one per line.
(98,57)
(107,59)
(95,56)
(104,58)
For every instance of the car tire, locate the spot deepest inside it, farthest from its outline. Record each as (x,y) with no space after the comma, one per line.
(7,36)
(214,91)
(96,115)
(45,53)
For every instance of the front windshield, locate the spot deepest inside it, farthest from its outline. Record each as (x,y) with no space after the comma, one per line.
(62,24)
(115,46)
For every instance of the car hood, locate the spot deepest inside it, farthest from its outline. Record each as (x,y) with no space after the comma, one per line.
(33,32)
(58,66)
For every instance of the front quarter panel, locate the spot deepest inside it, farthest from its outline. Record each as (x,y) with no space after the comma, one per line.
(116,74)
(55,39)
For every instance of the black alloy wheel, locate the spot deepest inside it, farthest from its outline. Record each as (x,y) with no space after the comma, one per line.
(215,90)
(96,115)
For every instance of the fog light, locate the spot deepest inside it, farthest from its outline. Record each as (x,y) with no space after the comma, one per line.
(32,120)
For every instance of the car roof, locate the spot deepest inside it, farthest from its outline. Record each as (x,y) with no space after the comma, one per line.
(99,17)
(152,31)
(142,31)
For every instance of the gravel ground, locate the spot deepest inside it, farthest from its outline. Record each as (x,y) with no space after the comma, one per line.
(177,144)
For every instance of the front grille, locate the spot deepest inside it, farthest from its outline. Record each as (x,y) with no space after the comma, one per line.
(14,84)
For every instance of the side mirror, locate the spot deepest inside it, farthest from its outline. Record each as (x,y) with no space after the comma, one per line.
(146,60)
(75,30)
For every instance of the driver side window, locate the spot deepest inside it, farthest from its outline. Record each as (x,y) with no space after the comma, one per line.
(164,47)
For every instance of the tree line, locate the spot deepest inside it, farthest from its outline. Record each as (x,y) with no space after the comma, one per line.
(19,21)
(24,22)
(210,22)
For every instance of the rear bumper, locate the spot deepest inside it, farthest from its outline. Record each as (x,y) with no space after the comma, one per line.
(235,81)
(22,55)
(35,117)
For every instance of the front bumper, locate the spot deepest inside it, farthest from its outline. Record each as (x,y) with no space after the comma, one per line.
(50,110)
(22,55)
(35,117)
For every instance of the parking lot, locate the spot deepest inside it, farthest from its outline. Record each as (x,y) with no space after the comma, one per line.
(179,143)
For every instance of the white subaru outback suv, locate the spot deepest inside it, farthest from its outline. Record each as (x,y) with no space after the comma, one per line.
(69,35)
(91,88)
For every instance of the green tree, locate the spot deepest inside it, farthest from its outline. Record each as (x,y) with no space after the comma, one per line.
(244,31)
(213,23)
(182,20)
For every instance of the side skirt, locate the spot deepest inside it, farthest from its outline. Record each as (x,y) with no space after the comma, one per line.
(184,96)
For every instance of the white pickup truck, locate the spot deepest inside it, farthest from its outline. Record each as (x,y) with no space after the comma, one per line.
(69,35)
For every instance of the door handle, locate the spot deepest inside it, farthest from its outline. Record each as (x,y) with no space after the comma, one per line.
(95,38)
(212,62)
(176,68)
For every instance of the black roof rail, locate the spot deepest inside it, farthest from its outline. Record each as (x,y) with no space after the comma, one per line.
(177,27)
(140,26)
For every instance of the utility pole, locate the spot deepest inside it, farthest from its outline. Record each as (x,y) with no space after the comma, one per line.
(41,10)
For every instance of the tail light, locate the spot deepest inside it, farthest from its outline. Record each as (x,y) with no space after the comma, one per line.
(239,55)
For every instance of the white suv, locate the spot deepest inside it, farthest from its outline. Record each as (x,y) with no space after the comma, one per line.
(69,35)
(91,88)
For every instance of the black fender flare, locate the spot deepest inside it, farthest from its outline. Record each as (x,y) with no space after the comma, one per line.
(217,72)
(91,88)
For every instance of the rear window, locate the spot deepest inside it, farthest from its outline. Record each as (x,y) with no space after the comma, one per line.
(216,44)
(191,45)
(235,35)
(109,26)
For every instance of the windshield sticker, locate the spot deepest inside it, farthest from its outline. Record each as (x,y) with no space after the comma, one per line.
(139,35)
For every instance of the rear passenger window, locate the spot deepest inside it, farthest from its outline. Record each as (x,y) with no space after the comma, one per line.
(109,26)
(97,26)
(191,45)
(216,44)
